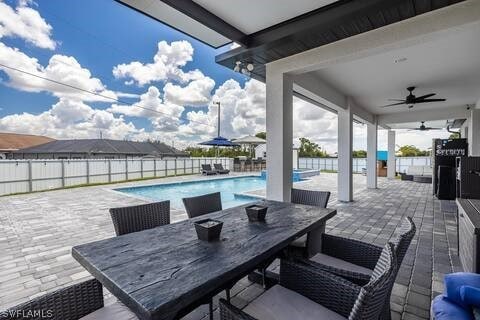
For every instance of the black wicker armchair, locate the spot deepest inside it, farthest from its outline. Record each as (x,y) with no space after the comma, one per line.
(309,292)
(141,217)
(200,205)
(80,301)
(354,260)
(311,198)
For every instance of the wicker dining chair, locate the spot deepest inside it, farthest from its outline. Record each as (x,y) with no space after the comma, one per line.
(140,217)
(79,301)
(354,260)
(200,205)
(311,198)
(308,292)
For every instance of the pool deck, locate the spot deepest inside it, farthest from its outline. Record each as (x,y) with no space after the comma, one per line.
(38,230)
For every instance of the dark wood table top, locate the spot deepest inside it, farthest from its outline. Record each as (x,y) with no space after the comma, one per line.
(161,271)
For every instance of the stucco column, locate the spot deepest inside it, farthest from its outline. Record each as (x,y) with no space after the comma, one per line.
(391,165)
(345,148)
(372,138)
(474,133)
(279,123)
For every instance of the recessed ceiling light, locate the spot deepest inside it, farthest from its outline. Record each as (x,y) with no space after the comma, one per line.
(403,59)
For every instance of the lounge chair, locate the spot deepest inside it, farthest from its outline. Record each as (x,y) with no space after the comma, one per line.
(219,168)
(307,292)
(140,217)
(207,170)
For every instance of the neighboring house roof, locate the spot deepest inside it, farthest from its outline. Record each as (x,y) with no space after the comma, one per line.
(14,141)
(104,146)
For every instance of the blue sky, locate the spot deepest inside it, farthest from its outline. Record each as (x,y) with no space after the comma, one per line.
(101,34)
(164,82)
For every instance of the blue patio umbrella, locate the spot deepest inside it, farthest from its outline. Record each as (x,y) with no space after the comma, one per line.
(219,142)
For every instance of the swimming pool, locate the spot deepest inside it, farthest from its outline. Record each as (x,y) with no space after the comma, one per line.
(228,187)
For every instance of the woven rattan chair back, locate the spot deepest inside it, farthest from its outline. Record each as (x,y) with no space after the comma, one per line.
(404,238)
(371,300)
(141,217)
(200,205)
(310,197)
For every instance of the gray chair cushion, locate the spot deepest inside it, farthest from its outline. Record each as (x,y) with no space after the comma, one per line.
(114,311)
(279,303)
(300,242)
(340,264)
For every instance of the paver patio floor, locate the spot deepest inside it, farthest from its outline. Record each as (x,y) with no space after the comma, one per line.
(38,230)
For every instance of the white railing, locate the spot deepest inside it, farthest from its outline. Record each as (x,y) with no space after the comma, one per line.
(331,164)
(19,176)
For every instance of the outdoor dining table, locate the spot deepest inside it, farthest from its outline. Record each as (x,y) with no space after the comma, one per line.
(162,273)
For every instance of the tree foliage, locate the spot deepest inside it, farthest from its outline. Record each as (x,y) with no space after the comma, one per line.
(210,152)
(261,135)
(309,149)
(359,153)
(455,135)
(412,151)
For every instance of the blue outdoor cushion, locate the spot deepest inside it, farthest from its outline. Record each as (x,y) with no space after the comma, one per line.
(454,281)
(443,309)
(470,296)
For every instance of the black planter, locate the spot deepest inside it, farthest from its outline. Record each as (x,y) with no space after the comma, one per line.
(208,229)
(256,212)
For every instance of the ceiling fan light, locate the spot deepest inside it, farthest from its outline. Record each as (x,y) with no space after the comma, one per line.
(245,72)
(250,67)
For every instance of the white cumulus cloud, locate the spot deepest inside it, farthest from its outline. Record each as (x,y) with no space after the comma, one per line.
(163,116)
(167,65)
(72,119)
(61,68)
(26,23)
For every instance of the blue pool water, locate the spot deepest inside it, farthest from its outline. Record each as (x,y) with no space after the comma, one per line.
(174,192)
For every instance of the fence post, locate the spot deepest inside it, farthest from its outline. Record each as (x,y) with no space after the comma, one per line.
(88,171)
(141,168)
(175,166)
(126,169)
(63,173)
(154,167)
(30,180)
(109,170)
(184,166)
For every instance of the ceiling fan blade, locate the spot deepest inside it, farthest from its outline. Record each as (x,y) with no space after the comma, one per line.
(425,96)
(430,100)
(393,104)
(429,128)
(396,99)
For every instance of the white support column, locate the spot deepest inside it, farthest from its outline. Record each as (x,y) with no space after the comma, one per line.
(279,123)
(345,161)
(372,138)
(391,165)
(474,133)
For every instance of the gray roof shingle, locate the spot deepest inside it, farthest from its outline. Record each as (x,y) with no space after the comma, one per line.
(105,146)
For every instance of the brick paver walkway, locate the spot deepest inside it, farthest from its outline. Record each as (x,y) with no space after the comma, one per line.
(38,230)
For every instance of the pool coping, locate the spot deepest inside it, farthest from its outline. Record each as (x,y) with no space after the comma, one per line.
(117,190)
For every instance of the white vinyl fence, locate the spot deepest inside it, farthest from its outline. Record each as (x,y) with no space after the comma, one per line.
(359,164)
(18,176)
